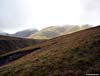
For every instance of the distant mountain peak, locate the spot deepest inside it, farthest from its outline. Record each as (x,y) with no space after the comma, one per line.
(55,31)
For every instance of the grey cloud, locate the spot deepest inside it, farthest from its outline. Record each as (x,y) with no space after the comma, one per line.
(13,14)
(91,10)
(90,5)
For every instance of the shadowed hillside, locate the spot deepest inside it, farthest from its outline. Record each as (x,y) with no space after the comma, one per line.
(7,58)
(75,54)
(24,33)
(11,43)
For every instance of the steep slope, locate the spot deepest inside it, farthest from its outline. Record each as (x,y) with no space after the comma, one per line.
(55,31)
(24,33)
(8,44)
(75,54)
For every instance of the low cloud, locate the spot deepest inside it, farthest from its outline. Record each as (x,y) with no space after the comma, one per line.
(90,11)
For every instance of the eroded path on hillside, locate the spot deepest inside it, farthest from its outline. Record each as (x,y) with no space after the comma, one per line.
(14,56)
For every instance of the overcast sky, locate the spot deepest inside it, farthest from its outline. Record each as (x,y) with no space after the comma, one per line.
(16,15)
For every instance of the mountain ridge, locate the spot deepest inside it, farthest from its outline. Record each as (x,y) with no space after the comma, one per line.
(56,31)
(48,32)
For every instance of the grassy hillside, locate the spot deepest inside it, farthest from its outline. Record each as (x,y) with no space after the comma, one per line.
(75,54)
(49,32)
(55,31)
(12,43)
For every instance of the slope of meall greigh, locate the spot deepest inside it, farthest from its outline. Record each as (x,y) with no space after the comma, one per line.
(75,54)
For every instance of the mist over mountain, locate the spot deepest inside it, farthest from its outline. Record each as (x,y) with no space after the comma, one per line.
(55,31)
(49,37)
(4,33)
(48,32)
(21,34)
(24,33)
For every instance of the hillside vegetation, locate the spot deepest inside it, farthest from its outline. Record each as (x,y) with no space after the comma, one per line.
(55,31)
(8,44)
(75,54)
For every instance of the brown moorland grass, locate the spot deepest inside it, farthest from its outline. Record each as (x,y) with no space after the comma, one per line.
(75,54)
(10,44)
